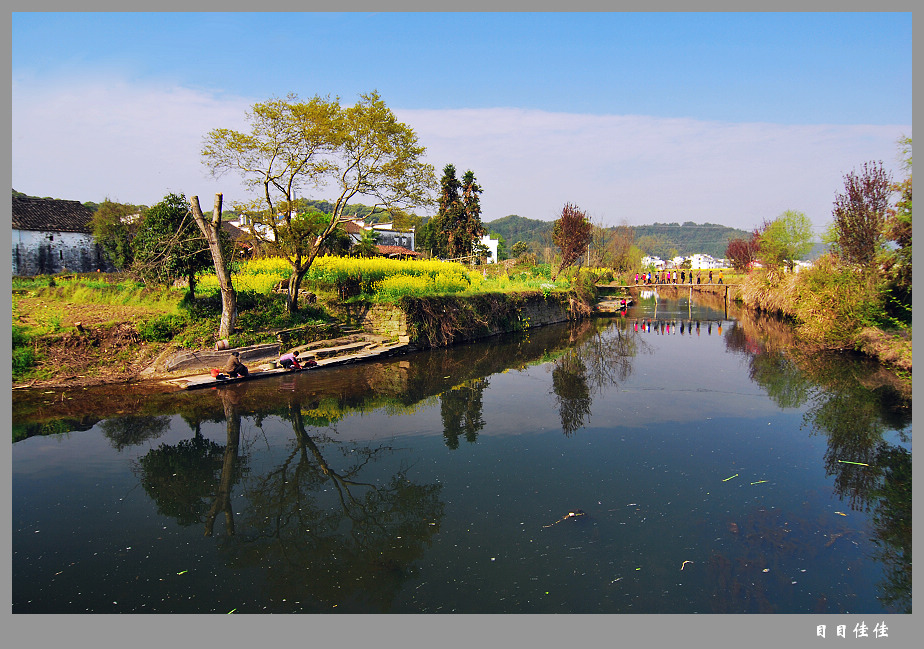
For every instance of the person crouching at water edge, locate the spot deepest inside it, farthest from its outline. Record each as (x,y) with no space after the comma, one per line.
(234,367)
(290,361)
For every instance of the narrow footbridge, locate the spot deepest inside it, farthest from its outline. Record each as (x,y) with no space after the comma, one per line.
(611,293)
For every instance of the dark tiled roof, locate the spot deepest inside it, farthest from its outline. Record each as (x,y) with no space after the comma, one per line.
(233,231)
(50,215)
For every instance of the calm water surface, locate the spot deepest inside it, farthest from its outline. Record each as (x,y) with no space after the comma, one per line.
(707,466)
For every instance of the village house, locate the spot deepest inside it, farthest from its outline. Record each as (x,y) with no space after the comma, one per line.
(54,236)
(653,262)
(389,241)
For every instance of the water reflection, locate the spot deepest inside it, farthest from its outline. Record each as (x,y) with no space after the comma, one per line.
(324,519)
(318,532)
(597,359)
(461,411)
(854,404)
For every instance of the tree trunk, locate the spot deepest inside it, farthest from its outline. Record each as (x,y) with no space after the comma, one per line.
(226,482)
(295,283)
(192,287)
(210,230)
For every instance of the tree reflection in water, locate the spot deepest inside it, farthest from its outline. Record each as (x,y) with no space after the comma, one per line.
(603,358)
(461,411)
(855,405)
(313,527)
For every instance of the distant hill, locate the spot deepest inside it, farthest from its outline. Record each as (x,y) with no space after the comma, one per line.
(658,239)
(517,228)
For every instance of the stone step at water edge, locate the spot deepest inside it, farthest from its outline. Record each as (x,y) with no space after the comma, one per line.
(340,350)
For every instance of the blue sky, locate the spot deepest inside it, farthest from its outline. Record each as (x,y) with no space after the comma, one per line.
(634,117)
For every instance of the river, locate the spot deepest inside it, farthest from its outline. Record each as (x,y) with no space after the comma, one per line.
(678,459)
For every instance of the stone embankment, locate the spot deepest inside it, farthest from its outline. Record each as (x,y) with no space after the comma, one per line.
(367,331)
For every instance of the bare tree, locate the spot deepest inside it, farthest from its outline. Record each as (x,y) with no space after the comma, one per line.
(222,268)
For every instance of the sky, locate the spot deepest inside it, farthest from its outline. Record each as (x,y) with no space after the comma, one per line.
(636,118)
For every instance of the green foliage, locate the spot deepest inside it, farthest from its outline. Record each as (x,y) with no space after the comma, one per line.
(457,226)
(519,248)
(162,328)
(897,263)
(169,244)
(786,239)
(24,357)
(367,245)
(835,301)
(361,149)
(658,239)
(114,227)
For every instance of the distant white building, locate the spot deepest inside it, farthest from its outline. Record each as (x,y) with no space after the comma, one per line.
(699,261)
(491,245)
(655,262)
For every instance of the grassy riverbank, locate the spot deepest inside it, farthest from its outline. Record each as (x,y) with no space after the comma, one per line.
(99,328)
(104,328)
(836,307)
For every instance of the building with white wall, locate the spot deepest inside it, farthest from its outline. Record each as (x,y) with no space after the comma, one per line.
(53,236)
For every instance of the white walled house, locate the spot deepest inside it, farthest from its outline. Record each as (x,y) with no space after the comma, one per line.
(53,236)
(655,262)
(700,261)
(491,245)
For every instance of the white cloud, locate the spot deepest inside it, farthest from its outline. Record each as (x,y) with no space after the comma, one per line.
(88,140)
(644,169)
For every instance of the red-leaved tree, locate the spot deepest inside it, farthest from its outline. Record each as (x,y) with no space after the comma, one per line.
(572,233)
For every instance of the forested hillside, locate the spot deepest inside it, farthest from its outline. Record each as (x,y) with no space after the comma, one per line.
(660,239)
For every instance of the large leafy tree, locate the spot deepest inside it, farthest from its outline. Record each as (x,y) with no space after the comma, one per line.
(860,214)
(169,245)
(440,234)
(786,239)
(114,226)
(572,233)
(471,229)
(359,150)
(457,226)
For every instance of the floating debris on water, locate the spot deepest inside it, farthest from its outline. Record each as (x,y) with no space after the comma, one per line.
(857,463)
(684,564)
(730,477)
(575,514)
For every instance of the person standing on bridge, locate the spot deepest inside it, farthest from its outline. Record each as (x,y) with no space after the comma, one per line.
(710,277)
(720,277)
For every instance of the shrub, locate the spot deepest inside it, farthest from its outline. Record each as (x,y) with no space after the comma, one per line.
(23,355)
(835,302)
(162,328)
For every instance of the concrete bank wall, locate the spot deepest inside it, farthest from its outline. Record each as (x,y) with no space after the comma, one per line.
(520,311)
